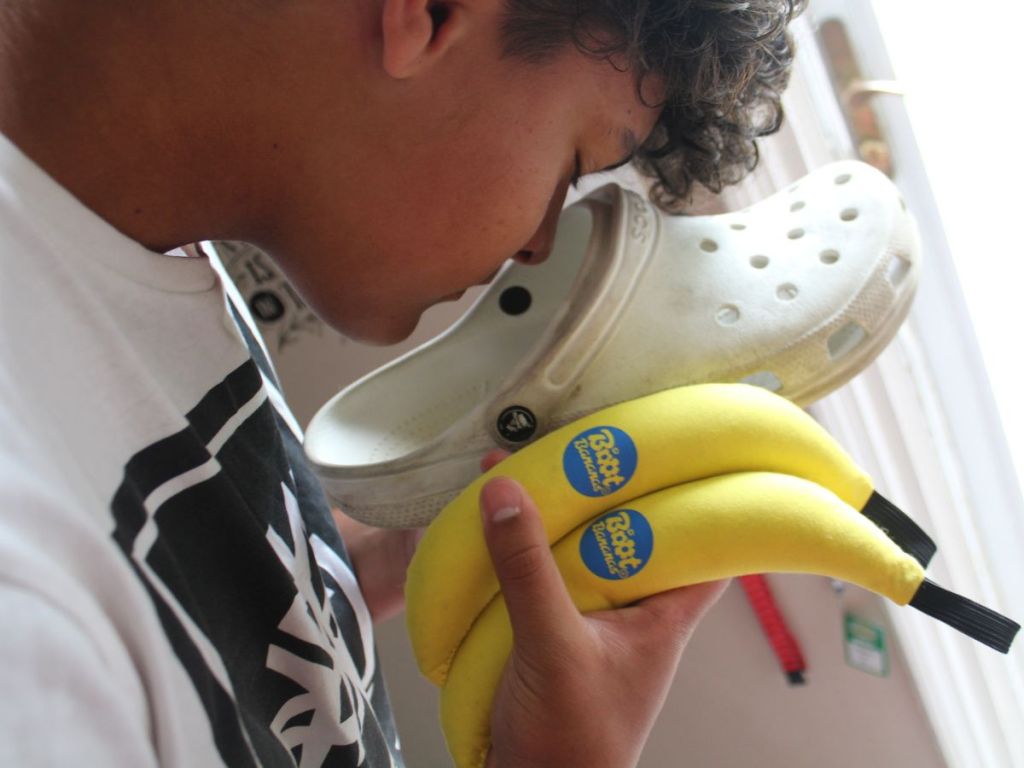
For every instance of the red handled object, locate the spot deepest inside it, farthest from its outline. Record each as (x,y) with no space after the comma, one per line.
(787,650)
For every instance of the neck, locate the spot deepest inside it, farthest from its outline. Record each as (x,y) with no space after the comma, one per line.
(136,109)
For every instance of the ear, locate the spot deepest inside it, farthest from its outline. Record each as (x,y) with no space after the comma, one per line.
(416,33)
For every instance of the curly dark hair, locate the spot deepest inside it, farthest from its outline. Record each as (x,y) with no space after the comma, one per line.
(724,63)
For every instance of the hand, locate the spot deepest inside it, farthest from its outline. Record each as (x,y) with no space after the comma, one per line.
(577,690)
(380,557)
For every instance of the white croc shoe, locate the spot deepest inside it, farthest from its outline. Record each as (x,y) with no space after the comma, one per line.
(797,294)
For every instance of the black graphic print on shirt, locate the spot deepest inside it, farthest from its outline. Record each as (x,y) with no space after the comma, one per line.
(232,537)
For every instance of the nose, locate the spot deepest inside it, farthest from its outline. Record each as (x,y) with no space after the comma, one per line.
(537,250)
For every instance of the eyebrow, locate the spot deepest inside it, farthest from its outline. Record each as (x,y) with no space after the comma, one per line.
(629,144)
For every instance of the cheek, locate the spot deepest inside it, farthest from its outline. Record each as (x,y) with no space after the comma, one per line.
(512,199)
(504,172)
(468,199)
(485,218)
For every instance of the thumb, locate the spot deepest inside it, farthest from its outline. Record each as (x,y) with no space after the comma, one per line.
(538,602)
(677,612)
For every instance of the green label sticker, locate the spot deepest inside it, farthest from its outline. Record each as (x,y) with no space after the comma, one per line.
(865,646)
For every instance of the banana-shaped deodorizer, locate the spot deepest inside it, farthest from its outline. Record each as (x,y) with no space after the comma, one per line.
(620,453)
(729,525)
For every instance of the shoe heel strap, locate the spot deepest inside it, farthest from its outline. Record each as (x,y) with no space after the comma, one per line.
(624,236)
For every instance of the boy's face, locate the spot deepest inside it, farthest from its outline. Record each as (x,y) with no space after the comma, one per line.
(469,167)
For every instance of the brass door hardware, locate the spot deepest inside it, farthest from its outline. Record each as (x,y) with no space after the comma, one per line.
(855,96)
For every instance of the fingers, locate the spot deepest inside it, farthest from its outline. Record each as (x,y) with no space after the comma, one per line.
(679,611)
(538,602)
(492,459)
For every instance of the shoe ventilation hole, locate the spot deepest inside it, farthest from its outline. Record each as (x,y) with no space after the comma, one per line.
(739,227)
(849,214)
(759,261)
(764,379)
(829,256)
(843,178)
(797,206)
(515,300)
(795,234)
(728,314)
(708,246)
(898,269)
(845,340)
(787,292)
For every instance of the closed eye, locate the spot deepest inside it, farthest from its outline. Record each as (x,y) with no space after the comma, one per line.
(629,145)
(577,173)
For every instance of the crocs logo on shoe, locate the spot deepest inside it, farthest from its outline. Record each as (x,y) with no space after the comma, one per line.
(617,545)
(517,424)
(600,461)
(641,221)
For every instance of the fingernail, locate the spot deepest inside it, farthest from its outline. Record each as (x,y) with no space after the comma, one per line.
(505,513)
(501,500)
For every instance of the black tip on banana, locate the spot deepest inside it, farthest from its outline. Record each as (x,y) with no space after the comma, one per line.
(900,528)
(974,620)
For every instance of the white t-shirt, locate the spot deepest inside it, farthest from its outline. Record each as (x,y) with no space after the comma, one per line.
(172,588)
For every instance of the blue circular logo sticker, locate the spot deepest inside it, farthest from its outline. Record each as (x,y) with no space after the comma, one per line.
(600,461)
(617,545)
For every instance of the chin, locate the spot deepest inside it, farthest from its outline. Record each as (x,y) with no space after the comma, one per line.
(383,337)
(372,328)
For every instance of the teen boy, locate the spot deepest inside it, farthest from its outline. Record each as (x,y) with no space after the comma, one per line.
(172,586)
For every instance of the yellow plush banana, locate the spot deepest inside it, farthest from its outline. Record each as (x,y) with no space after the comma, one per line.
(616,454)
(729,525)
